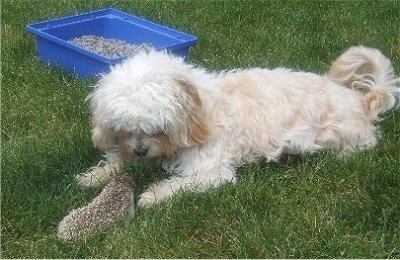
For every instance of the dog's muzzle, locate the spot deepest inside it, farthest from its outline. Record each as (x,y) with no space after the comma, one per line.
(141,151)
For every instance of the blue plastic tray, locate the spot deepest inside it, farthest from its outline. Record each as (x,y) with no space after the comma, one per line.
(53,47)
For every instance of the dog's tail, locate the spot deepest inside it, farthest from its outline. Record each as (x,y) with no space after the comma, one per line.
(369,71)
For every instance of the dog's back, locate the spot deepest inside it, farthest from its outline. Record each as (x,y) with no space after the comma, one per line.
(369,71)
(299,112)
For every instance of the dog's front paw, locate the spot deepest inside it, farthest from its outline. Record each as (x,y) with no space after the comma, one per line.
(101,174)
(89,180)
(147,199)
(96,176)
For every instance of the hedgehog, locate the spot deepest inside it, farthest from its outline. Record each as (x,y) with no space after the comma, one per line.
(115,202)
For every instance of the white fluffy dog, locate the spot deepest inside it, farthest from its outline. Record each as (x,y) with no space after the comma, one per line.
(202,125)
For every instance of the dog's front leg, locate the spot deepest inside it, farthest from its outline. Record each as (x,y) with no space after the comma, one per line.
(101,174)
(198,182)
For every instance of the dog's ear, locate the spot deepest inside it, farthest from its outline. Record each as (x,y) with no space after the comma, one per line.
(103,138)
(197,124)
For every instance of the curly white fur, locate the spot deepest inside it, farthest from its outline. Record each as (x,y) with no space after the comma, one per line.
(201,125)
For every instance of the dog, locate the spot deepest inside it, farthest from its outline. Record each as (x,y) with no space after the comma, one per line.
(201,125)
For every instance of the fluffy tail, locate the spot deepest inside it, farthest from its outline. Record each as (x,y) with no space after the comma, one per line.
(369,71)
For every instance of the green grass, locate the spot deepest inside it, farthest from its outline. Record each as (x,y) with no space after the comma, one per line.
(313,207)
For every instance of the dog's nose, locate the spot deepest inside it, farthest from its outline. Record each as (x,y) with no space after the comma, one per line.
(141,151)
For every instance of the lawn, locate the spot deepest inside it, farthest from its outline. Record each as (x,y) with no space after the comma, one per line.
(320,206)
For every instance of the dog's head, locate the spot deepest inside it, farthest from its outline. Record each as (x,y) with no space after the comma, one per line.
(149,106)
